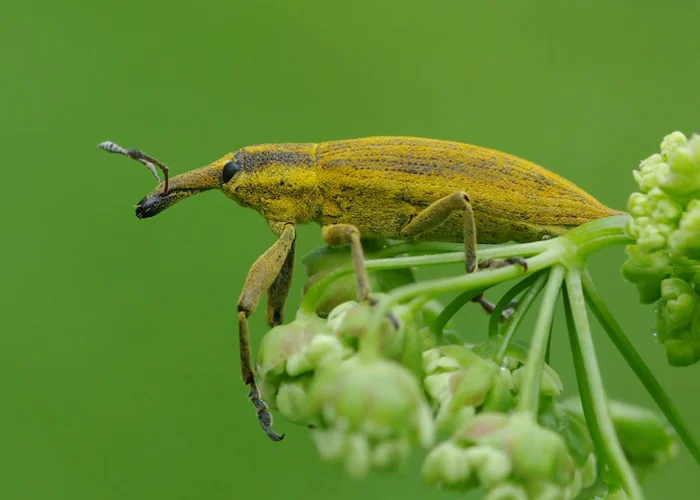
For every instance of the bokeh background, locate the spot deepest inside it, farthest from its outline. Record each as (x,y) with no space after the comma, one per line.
(119,376)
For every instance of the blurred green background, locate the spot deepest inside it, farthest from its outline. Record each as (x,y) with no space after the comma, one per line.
(119,375)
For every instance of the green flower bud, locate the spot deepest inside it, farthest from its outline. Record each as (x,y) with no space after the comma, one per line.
(677,321)
(507,491)
(297,347)
(552,461)
(288,355)
(544,490)
(616,495)
(337,314)
(572,428)
(589,472)
(650,173)
(516,353)
(645,437)
(292,400)
(500,397)
(686,240)
(518,435)
(459,381)
(676,309)
(646,270)
(492,466)
(683,179)
(446,466)
(507,455)
(671,142)
(681,353)
(550,384)
(371,412)
(400,338)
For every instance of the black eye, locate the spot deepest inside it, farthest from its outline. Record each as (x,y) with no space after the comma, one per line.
(230,169)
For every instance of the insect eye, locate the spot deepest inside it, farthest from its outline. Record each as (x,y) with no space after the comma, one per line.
(230,169)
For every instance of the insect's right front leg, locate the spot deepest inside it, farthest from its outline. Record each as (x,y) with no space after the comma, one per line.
(262,275)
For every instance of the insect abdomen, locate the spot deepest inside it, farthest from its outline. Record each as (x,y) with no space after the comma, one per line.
(513,199)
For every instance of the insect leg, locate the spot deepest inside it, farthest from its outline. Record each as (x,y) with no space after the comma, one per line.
(436,214)
(278,291)
(263,273)
(347,234)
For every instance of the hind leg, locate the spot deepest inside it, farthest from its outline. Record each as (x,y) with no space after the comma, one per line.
(437,213)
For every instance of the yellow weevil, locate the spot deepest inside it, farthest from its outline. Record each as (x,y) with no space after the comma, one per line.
(378,187)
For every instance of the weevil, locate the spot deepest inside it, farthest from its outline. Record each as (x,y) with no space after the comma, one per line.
(374,188)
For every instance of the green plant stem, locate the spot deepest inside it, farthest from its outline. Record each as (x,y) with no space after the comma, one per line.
(432,247)
(519,314)
(641,370)
(532,378)
(314,293)
(613,452)
(451,309)
(433,288)
(571,249)
(595,235)
(474,281)
(585,393)
(508,297)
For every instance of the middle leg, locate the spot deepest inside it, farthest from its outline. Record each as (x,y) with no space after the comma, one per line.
(347,234)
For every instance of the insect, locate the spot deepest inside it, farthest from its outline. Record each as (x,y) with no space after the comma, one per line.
(377,187)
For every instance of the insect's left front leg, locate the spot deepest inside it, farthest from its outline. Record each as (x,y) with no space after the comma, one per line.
(265,274)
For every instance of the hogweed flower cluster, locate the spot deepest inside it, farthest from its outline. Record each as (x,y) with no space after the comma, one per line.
(664,262)
(375,381)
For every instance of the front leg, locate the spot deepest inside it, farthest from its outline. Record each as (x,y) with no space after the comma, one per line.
(263,273)
(278,291)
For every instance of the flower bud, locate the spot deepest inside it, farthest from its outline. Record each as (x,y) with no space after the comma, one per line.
(288,356)
(678,327)
(686,240)
(500,397)
(371,412)
(458,381)
(492,466)
(550,385)
(292,400)
(544,490)
(507,491)
(507,454)
(618,494)
(645,437)
(446,465)
(552,461)
(399,337)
